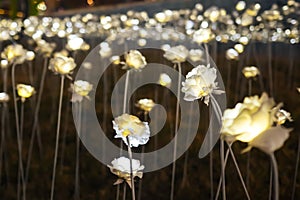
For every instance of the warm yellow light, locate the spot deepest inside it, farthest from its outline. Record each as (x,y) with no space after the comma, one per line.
(42,6)
(90,2)
(241,5)
(145,104)
(250,71)
(239,48)
(25,91)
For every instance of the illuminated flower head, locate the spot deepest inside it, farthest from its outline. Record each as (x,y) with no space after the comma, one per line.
(145,104)
(121,168)
(165,80)
(62,65)
(130,126)
(196,55)
(250,71)
(200,83)
(80,89)
(76,43)
(177,54)
(25,91)
(14,53)
(45,48)
(4,97)
(252,122)
(203,35)
(134,60)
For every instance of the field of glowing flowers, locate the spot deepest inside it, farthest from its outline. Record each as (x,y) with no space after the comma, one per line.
(254,50)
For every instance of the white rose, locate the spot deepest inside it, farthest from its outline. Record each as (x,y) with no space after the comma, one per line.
(176,54)
(200,83)
(62,65)
(130,126)
(135,60)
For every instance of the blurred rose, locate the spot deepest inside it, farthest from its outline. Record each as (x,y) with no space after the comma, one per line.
(176,54)
(130,126)
(248,119)
(25,91)
(14,53)
(135,60)
(62,65)
(196,55)
(4,97)
(145,104)
(80,89)
(252,122)
(250,71)
(165,80)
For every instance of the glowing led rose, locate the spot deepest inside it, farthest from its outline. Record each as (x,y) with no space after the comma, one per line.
(203,35)
(25,91)
(200,83)
(177,54)
(62,65)
(165,80)
(121,168)
(130,126)
(45,48)
(4,97)
(281,116)
(135,60)
(298,90)
(248,119)
(80,89)
(196,55)
(252,122)
(145,104)
(14,53)
(76,43)
(250,71)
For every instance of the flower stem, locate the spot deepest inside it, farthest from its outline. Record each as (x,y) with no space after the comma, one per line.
(223,169)
(142,160)
(3,117)
(296,170)
(271,182)
(124,111)
(57,136)
(131,171)
(220,180)
(275,179)
(77,178)
(176,131)
(238,171)
(36,118)
(21,171)
(124,191)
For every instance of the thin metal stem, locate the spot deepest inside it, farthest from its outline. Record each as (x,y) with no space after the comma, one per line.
(36,119)
(275,179)
(131,172)
(57,135)
(21,170)
(239,172)
(296,169)
(223,169)
(124,191)
(77,178)
(176,131)
(220,180)
(124,111)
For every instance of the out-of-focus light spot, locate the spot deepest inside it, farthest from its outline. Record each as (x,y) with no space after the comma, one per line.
(90,2)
